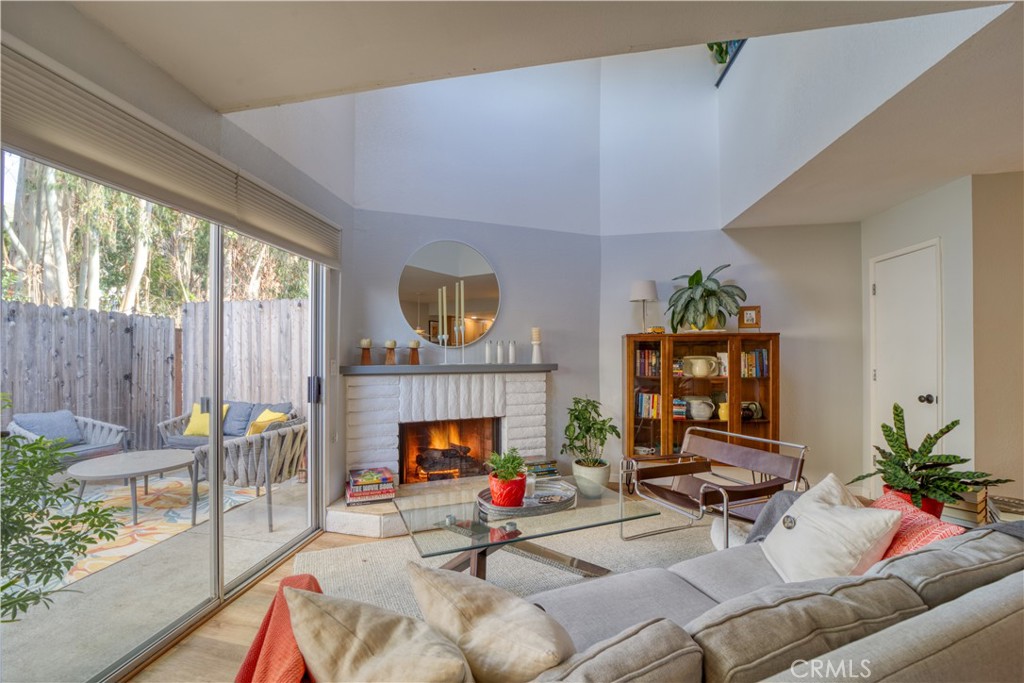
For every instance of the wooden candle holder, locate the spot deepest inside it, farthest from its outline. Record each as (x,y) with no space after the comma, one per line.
(389,357)
(366,359)
(414,356)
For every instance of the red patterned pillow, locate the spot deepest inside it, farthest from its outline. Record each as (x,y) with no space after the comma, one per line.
(917,528)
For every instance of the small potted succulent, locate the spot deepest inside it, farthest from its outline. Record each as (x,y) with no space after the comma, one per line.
(585,436)
(507,478)
(704,303)
(915,474)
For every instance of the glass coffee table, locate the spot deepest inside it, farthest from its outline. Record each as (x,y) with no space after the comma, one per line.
(446,517)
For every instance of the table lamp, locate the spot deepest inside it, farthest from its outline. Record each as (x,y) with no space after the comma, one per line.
(643,291)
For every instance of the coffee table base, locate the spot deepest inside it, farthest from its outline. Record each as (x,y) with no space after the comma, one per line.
(476,560)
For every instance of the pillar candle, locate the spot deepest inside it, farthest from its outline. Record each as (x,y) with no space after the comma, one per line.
(439,311)
(444,310)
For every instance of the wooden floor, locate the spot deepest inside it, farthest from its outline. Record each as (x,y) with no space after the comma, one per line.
(214,651)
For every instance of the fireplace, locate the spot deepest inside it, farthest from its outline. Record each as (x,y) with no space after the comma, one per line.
(445,449)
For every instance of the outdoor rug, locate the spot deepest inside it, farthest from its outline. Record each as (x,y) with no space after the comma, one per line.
(375,572)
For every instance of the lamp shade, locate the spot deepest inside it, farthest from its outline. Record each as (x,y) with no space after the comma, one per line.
(643,290)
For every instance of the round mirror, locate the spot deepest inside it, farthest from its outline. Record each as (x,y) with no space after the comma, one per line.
(454,279)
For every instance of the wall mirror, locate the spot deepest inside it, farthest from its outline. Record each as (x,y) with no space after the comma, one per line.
(455,278)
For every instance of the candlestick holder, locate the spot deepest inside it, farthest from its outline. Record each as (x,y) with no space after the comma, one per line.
(461,330)
(536,353)
(366,358)
(443,338)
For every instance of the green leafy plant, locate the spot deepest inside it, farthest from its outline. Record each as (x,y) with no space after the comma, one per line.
(720,51)
(919,472)
(507,465)
(703,299)
(39,541)
(587,432)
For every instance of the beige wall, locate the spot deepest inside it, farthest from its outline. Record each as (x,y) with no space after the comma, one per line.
(998,208)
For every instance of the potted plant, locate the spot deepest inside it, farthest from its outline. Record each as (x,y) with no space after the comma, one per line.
(704,303)
(926,480)
(507,478)
(585,436)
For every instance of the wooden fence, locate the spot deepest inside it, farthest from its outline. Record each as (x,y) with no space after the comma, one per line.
(105,365)
(266,351)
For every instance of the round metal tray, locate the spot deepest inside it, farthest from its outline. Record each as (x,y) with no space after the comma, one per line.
(549,496)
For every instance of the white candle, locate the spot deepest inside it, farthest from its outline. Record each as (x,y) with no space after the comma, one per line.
(462,314)
(444,310)
(439,311)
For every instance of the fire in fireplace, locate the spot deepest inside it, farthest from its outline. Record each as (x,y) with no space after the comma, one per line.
(446,449)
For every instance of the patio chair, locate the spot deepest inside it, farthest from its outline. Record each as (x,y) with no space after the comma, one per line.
(84,437)
(693,495)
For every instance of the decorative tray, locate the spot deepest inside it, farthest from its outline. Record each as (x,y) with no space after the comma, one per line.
(549,496)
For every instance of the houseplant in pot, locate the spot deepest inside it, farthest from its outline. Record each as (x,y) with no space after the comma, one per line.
(925,479)
(507,478)
(704,303)
(585,436)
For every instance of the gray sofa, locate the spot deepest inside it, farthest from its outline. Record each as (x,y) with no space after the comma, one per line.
(84,437)
(951,611)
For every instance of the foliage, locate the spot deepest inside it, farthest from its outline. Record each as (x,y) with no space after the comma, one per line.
(587,432)
(917,471)
(40,542)
(720,51)
(703,299)
(507,465)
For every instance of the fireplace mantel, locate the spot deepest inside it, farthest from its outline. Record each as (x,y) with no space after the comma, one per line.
(447,369)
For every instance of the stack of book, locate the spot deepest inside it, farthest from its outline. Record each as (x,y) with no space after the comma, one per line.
(969,512)
(542,468)
(754,363)
(368,485)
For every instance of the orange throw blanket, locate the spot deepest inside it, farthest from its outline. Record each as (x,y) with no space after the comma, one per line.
(274,655)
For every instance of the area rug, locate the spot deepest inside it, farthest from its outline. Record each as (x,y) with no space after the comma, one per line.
(375,572)
(163,512)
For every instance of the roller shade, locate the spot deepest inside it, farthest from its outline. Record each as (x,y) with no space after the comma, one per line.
(48,117)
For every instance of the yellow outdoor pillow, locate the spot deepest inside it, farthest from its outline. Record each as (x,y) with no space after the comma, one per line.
(266,418)
(199,422)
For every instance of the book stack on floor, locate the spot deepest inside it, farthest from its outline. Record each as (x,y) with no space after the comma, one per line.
(542,468)
(367,485)
(969,512)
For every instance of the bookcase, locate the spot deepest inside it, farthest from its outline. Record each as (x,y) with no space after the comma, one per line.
(663,370)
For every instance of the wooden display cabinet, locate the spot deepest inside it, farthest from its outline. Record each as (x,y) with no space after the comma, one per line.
(661,370)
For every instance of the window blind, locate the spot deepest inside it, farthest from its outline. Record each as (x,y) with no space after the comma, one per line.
(48,117)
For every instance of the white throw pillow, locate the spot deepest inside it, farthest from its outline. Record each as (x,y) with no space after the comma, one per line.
(827,532)
(503,637)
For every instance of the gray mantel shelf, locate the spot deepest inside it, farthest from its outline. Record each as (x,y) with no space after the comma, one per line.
(450,369)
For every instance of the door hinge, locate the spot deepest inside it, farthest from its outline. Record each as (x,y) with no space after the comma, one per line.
(314,392)
(874,290)
(874,375)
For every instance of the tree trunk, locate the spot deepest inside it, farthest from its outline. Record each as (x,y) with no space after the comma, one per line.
(141,260)
(58,248)
(252,291)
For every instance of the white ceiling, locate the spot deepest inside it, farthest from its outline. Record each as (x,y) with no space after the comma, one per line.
(963,117)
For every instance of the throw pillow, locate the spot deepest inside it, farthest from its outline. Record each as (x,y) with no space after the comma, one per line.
(264,420)
(477,615)
(917,528)
(60,424)
(199,422)
(237,419)
(345,640)
(827,532)
(654,651)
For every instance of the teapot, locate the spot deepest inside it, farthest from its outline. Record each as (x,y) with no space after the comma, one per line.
(702,366)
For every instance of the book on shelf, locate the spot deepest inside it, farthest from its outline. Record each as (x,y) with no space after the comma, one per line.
(754,363)
(372,488)
(648,405)
(367,497)
(648,362)
(364,476)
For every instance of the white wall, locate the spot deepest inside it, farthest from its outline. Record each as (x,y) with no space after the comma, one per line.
(789,96)
(945,214)
(806,280)
(659,142)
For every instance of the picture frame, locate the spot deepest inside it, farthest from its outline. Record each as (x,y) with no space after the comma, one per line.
(750,318)
(432,330)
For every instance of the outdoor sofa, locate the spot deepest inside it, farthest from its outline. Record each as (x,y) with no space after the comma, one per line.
(84,437)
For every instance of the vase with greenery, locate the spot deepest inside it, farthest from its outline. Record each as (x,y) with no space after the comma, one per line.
(928,480)
(704,303)
(41,539)
(507,478)
(586,433)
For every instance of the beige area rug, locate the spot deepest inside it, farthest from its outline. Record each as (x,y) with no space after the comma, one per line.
(376,572)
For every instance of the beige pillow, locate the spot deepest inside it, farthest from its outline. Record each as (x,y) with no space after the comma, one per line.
(654,651)
(827,532)
(503,637)
(345,640)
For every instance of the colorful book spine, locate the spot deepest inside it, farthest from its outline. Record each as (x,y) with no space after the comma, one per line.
(367,497)
(370,475)
(754,363)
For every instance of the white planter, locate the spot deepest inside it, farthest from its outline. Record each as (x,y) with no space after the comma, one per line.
(590,481)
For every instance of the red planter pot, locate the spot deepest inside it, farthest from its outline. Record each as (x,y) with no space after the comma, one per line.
(930,505)
(508,493)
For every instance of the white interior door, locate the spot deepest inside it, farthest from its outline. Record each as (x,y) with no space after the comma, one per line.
(906,340)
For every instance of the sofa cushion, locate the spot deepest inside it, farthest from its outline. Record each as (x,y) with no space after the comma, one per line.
(345,640)
(728,573)
(199,422)
(59,424)
(186,442)
(654,651)
(237,419)
(759,634)
(974,638)
(600,608)
(917,528)
(260,423)
(258,408)
(946,569)
(84,451)
(475,615)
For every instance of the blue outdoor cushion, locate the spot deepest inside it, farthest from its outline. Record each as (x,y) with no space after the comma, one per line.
(56,425)
(186,442)
(238,417)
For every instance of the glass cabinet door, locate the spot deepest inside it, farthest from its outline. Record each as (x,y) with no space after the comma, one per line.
(647,409)
(700,384)
(757,405)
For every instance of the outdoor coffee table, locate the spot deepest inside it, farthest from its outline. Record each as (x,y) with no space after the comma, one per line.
(131,466)
(443,518)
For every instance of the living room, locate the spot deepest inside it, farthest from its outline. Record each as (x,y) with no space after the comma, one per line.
(574,179)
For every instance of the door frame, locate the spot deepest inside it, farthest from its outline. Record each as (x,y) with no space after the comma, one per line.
(875,417)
